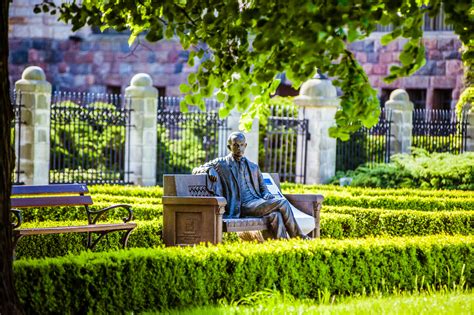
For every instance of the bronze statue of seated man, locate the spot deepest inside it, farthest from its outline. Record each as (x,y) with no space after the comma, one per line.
(241,183)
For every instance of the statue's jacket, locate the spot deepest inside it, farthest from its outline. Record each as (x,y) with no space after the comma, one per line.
(227,185)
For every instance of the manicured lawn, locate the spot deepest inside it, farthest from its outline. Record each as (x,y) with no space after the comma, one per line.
(432,304)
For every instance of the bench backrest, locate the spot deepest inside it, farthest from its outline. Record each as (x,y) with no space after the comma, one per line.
(193,185)
(50,195)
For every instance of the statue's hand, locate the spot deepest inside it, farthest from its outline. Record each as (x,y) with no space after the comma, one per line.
(212,173)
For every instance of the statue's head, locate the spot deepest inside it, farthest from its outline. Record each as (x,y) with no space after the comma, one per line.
(237,144)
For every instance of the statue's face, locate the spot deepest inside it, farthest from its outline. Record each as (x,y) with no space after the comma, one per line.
(237,146)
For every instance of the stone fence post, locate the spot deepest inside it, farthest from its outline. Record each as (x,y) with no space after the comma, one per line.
(140,144)
(469,111)
(35,134)
(318,102)
(252,136)
(402,121)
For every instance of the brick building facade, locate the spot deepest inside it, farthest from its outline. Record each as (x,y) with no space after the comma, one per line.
(96,62)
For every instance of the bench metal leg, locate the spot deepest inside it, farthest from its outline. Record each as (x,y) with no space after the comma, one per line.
(15,240)
(125,238)
(91,245)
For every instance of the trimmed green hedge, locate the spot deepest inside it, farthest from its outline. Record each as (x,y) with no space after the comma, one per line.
(157,192)
(151,208)
(146,234)
(340,222)
(400,202)
(336,222)
(131,191)
(337,225)
(358,191)
(146,279)
(140,212)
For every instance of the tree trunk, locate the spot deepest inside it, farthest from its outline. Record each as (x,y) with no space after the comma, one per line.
(9,303)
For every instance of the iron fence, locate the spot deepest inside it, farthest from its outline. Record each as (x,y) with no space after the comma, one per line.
(430,24)
(16,128)
(366,146)
(187,140)
(437,130)
(88,138)
(285,144)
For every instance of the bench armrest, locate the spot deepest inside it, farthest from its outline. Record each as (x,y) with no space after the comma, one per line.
(310,204)
(94,216)
(18,218)
(210,201)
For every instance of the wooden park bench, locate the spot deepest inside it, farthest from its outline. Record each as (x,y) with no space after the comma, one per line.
(66,195)
(192,214)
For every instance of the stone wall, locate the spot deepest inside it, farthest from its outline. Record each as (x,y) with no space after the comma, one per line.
(443,68)
(84,61)
(99,61)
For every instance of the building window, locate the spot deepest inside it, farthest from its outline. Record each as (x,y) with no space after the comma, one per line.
(108,31)
(161,91)
(442,98)
(385,96)
(286,90)
(418,97)
(113,89)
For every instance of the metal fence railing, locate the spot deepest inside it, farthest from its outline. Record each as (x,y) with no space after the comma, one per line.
(285,144)
(187,140)
(437,130)
(16,131)
(366,146)
(430,24)
(88,138)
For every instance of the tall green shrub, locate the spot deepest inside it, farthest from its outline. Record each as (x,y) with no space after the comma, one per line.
(418,170)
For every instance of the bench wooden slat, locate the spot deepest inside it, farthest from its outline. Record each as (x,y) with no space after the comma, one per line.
(75,229)
(49,189)
(51,201)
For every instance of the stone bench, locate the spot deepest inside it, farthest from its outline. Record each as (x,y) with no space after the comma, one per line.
(191,214)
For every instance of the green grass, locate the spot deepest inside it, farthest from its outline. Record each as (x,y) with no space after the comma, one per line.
(271,302)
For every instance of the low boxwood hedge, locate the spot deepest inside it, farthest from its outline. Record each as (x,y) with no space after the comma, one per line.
(359,222)
(336,222)
(67,213)
(362,191)
(400,202)
(146,279)
(130,191)
(157,191)
(146,234)
(154,209)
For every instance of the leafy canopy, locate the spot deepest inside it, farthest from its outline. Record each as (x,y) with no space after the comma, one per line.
(243,45)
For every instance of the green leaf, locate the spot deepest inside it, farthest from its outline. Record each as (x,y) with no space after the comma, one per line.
(406,58)
(246,122)
(189,99)
(131,39)
(192,78)
(184,88)
(387,38)
(183,106)
(221,96)
(223,112)
(352,35)
(274,86)
(255,89)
